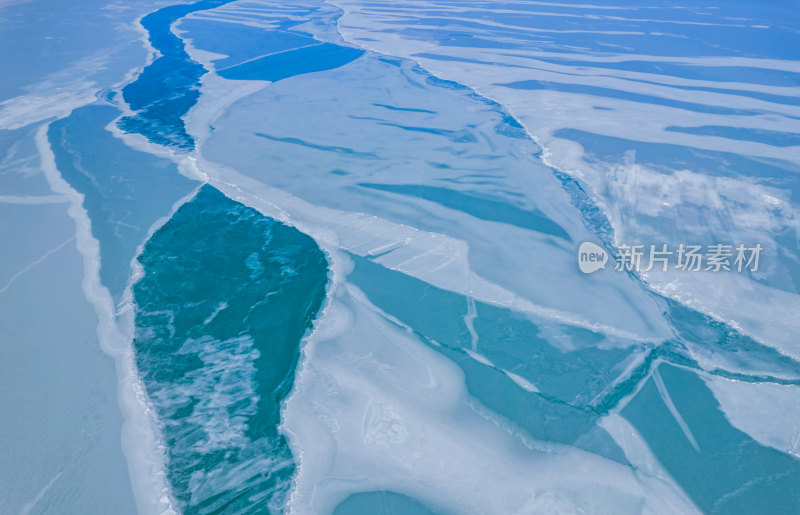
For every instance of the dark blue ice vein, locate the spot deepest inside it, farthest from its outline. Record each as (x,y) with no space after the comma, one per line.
(166,89)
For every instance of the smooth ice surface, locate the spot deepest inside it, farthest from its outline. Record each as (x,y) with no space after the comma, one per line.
(753,408)
(60,422)
(381,502)
(581,76)
(55,41)
(61,426)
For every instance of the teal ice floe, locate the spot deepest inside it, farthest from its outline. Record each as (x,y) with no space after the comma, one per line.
(226,296)
(383,502)
(307,59)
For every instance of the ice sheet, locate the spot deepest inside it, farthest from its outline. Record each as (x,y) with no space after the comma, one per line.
(635,77)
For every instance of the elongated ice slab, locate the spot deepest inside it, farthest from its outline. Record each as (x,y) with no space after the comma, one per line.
(225,298)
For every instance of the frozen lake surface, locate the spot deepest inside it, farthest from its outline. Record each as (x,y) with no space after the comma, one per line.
(321,257)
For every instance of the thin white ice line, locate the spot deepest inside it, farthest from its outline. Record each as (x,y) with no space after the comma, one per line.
(662,391)
(399,266)
(795,450)
(385,248)
(446,262)
(34,263)
(469,318)
(29,506)
(480,358)
(520,381)
(370,236)
(32,199)
(267,55)
(636,361)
